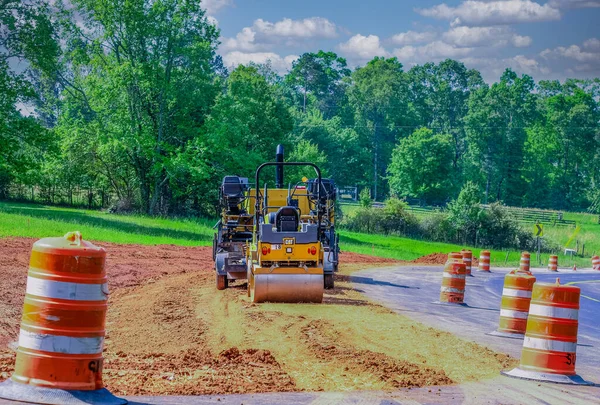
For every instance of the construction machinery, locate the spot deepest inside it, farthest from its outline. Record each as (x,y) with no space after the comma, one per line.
(294,249)
(234,231)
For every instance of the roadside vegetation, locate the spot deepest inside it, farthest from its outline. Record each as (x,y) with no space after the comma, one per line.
(36,221)
(133,109)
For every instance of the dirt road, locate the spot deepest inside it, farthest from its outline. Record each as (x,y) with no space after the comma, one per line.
(170,332)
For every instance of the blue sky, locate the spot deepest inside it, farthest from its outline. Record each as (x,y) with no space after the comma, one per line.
(548,39)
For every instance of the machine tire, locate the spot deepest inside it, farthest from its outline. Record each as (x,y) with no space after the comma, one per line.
(214,252)
(222,282)
(328,283)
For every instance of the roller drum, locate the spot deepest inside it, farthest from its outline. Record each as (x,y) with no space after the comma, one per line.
(290,288)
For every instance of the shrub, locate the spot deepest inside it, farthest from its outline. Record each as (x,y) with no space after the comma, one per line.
(394,218)
(437,227)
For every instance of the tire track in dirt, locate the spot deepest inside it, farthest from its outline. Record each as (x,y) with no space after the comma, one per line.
(320,336)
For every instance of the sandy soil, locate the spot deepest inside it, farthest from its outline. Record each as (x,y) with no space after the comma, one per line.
(170,332)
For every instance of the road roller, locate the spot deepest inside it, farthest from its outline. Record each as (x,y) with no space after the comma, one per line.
(234,230)
(294,243)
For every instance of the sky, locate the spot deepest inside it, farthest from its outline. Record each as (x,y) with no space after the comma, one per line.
(547,39)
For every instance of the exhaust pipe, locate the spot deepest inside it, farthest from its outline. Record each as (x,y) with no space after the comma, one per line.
(279,168)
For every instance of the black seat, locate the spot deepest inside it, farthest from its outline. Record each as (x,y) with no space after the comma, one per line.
(287,219)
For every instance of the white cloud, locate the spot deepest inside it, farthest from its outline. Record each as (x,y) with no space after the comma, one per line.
(362,47)
(212,6)
(432,52)
(571,52)
(263,34)
(526,65)
(314,27)
(412,37)
(491,68)
(485,13)
(592,44)
(574,3)
(521,41)
(278,63)
(484,36)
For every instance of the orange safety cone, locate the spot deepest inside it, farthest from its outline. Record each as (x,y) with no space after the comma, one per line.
(454,280)
(484,260)
(553,263)
(467,258)
(596,263)
(59,359)
(525,261)
(550,344)
(514,308)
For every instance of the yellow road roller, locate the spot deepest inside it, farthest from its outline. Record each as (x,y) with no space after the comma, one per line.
(285,258)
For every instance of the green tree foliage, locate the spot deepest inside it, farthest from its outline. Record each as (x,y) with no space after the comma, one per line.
(379,95)
(496,133)
(440,94)
(346,157)
(421,165)
(132,106)
(322,76)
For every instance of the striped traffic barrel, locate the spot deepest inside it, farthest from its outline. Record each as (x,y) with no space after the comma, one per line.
(553,263)
(525,264)
(454,280)
(514,307)
(550,344)
(63,324)
(467,257)
(484,260)
(596,263)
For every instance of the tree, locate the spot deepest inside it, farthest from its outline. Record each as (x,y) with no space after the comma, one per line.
(379,97)
(496,132)
(245,125)
(466,213)
(347,160)
(320,74)
(421,166)
(440,94)
(141,80)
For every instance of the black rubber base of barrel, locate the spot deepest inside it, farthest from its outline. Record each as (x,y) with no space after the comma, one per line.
(39,395)
(546,377)
(453,304)
(507,335)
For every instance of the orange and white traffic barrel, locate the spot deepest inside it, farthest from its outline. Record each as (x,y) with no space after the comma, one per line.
(63,325)
(454,280)
(514,308)
(484,260)
(553,263)
(467,257)
(525,264)
(596,262)
(550,344)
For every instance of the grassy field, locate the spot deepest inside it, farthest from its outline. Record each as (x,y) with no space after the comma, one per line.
(29,220)
(585,234)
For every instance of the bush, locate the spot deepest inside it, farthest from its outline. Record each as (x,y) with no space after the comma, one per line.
(393,219)
(437,227)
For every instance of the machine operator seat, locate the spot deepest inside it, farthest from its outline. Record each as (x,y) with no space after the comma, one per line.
(287,219)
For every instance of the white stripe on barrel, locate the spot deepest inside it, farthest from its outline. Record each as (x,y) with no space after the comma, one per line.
(511,292)
(451,290)
(551,345)
(553,312)
(66,291)
(60,344)
(450,275)
(510,313)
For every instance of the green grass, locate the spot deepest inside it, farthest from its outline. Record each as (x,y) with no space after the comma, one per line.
(37,221)
(395,247)
(562,236)
(29,220)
